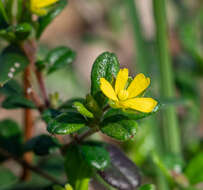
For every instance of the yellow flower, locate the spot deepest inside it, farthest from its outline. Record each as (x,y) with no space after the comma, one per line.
(39,7)
(126,97)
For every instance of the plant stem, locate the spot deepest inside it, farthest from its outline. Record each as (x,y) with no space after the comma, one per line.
(170,122)
(28,123)
(3,12)
(35,169)
(143,65)
(88,133)
(29,50)
(42,87)
(139,41)
(80,138)
(82,184)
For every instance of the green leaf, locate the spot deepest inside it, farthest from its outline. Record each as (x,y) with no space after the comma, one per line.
(69,103)
(59,58)
(95,154)
(16,33)
(119,127)
(10,135)
(63,128)
(53,164)
(147,187)
(12,61)
(93,106)
(78,178)
(22,30)
(7,35)
(66,123)
(194,169)
(50,114)
(83,110)
(11,88)
(46,20)
(105,66)
(173,162)
(68,187)
(13,102)
(122,173)
(7,178)
(42,145)
(129,114)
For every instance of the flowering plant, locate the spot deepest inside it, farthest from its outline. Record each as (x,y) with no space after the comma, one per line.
(78,117)
(82,134)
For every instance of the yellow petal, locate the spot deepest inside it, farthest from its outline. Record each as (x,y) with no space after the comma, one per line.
(43,3)
(145,105)
(138,85)
(107,89)
(121,80)
(39,12)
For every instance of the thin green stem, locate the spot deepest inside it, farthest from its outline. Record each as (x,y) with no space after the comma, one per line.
(82,184)
(139,41)
(170,122)
(158,149)
(3,12)
(143,65)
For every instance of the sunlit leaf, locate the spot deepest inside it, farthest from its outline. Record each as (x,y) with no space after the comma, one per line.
(95,154)
(66,123)
(105,66)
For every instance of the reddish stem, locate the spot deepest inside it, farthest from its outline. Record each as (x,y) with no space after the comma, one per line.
(42,87)
(29,50)
(28,124)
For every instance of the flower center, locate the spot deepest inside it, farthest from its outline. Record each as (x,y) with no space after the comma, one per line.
(123,95)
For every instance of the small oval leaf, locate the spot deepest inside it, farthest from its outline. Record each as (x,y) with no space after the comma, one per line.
(59,58)
(66,123)
(12,61)
(83,110)
(10,135)
(12,102)
(95,154)
(119,128)
(105,66)
(11,88)
(42,145)
(77,170)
